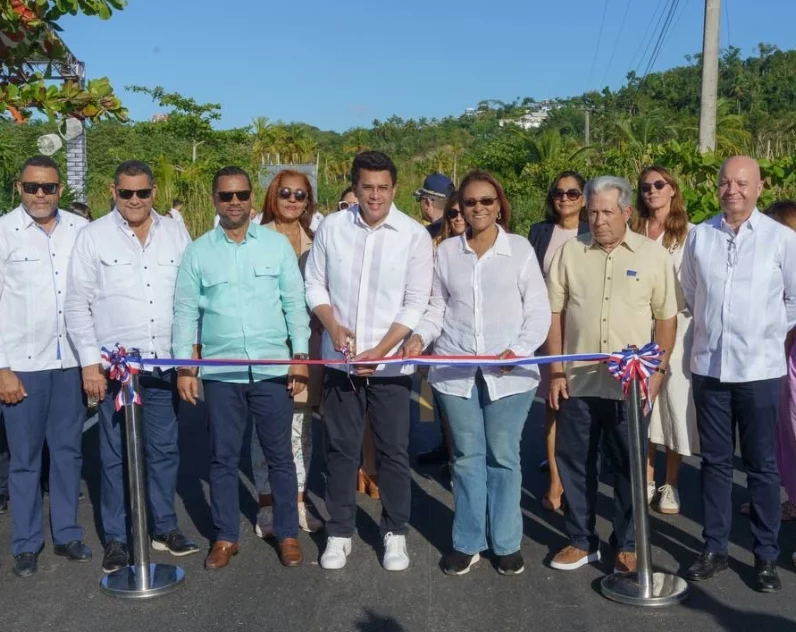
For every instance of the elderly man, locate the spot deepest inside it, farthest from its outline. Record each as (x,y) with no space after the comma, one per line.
(739,280)
(608,289)
(39,375)
(121,290)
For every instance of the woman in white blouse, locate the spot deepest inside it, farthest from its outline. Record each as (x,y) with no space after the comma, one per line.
(488,299)
(661,216)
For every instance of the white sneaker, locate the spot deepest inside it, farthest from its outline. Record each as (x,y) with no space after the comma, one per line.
(336,553)
(650,492)
(670,500)
(395,556)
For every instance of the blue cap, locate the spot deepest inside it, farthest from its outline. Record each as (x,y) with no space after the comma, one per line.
(436,185)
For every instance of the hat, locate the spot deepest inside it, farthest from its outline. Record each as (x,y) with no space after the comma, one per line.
(436,185)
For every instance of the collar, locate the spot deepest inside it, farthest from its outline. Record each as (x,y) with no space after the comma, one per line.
(632,241)
(122,223)
(501,247)
(26,221)
(219,234)
(751,222)
(391,221)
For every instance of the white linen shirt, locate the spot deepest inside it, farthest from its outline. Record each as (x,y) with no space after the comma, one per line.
(741,290)
(484,307)
(371,277)
(33,271)
(120,291)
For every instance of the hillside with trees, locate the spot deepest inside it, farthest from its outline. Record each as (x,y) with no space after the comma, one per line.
(650,119)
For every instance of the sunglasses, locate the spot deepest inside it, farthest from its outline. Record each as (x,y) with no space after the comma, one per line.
(127,194)
(226,196)
(570,194)
(299,194)
(49,188)
(484,201)
(646,187)
(454,213)
(342,205)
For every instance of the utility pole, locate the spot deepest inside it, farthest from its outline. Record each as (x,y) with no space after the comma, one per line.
(587,133)
(710,77)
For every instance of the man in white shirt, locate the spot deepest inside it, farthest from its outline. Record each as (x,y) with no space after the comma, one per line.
(368,279)
(121,290)
(39,374)
(739,280)
(176,211)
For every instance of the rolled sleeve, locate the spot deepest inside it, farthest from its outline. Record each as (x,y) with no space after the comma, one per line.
(315,288)
(418,284)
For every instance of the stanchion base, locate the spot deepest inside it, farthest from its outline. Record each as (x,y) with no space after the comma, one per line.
(667,590)
(164,578)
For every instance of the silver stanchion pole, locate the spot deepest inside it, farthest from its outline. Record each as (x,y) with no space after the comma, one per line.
(642,588)
(143,579)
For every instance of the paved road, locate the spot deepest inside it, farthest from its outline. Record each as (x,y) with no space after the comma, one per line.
(257,593)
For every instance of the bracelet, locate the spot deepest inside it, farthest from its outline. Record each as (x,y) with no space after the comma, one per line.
(660,370)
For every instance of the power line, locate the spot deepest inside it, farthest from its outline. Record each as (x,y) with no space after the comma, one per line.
(664,31)
(616,44)
(599,41)
(649,41)
(727,21)
(677,21)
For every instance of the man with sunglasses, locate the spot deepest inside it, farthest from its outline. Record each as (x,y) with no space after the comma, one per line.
(368,279)
(241,287)
(432,196)
(121,290)
(39,375)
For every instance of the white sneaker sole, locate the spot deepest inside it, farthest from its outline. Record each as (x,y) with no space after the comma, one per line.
(336,564)
(586,559)
(669,511)
(476,558)
(159,546)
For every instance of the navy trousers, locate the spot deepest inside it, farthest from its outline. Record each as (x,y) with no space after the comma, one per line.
(5,461)
(230,406)
(159,415)
(584,424)
(753,407)
(53,410)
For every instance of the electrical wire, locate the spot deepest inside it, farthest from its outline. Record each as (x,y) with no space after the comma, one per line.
(616,43)
(599,41)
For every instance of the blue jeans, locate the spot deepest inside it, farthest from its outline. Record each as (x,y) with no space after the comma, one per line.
(486,468)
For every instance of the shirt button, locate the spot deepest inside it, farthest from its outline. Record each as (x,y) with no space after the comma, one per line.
(151,302)
(60,312)
(147,284)
(151,320)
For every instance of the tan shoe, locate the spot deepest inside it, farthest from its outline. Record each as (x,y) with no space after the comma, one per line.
(625,562)
(290,552)
(570,558)
(220,554)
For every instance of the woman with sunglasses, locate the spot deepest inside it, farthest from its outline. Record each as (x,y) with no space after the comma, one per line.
(564,219)
(347,199)
(288,209)
(454,219)
(488,298)
(661,216)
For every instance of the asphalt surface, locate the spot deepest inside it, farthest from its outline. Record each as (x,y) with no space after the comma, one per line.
(256,593)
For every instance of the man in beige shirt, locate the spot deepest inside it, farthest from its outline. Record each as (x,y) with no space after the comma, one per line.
(608,289)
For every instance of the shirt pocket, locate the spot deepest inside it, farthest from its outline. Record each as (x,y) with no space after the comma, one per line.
(116,273)
(636,290)
(266,280)
(168,266)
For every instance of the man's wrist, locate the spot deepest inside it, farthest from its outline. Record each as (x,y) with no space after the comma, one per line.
(301,356)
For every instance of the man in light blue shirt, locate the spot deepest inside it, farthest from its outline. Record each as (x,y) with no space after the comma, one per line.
(240,295)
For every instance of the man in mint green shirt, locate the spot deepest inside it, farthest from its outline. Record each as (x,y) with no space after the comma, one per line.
(240,295)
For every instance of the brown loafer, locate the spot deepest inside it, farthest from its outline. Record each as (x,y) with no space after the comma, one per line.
(290,552)
(220,554)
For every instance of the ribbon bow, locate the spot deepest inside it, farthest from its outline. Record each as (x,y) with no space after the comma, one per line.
(634,363)
(122,365)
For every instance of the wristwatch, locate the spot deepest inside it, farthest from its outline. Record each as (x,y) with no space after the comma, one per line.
(660,370)
(301,356)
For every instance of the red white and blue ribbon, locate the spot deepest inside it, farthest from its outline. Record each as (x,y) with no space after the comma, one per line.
(634,363)
(121,365)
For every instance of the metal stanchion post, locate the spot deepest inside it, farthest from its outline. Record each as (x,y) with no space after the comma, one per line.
(642,588)
(143,579)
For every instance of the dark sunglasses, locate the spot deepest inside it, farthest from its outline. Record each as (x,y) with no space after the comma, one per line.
(454,213)
(646,187)
(570,194)
(484,201)
(226,196)
(31,188)
(127,194)
(299,194)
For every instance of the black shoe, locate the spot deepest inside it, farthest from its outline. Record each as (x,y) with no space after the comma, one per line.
(511,564)
(457,563)
(175,543)
(708,565)
(436,456)
(74,551)
(766,578)
(26,564)
(3,503)
(116,556)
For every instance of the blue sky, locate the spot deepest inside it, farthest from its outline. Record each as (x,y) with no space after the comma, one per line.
(340,64)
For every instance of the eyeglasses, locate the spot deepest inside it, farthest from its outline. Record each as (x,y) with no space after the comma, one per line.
(299,194)
(127,194)
(342,205)
(454,213)
(226,196)
(570,194)
(732,253)
(484,201)
(49,188)
(646,187)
